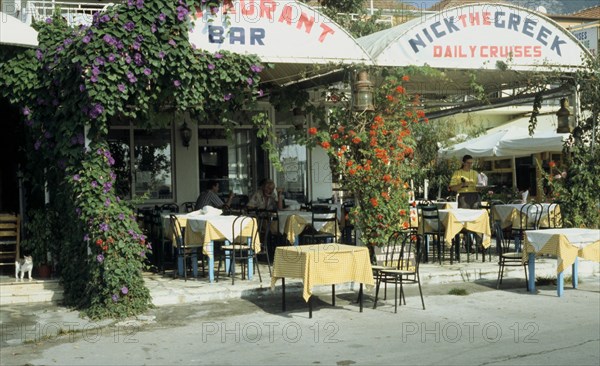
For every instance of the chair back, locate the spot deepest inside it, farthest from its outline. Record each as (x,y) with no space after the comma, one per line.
(530,215)
(400,252)
(470,200)
(502,241)
(323,215)
(188,206)
(177,231)
(429,219)
(239,235)
(170,207)
(554,216)
(268,226)
(389,253)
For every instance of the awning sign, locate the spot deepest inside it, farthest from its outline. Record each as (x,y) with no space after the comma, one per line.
(276,31)
(476,36)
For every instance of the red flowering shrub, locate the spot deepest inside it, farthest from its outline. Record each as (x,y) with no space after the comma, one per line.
(372,154)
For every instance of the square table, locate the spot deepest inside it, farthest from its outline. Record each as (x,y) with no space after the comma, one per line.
(203,230)
(567,244)
(455,220)
(322,264)
(510,214)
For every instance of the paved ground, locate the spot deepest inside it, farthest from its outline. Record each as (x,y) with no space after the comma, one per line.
(484,327)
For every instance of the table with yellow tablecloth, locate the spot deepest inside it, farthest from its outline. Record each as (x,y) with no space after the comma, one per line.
(322,264)
(567,244)
(509,215)
(293,223)
(455,220)
(203,230)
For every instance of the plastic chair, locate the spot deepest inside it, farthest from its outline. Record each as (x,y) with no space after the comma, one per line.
(403,254)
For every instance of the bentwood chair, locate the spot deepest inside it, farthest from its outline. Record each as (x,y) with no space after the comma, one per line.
(184,252)
(188,206)
(321,216)
(432,231)
(529,219)
(403,255)
(241,248)
(508,257)
(268,224)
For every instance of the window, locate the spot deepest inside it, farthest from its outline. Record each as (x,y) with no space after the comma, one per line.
(143,162)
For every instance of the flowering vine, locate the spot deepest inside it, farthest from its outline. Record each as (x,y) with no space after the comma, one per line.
(132,63)
(372,153)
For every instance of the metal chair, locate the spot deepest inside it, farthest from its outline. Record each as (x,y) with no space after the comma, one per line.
(529,219)
(507,257)
(430,226)
(325,215)
(170,207)
(403,254)
(240,250)
(183,251)
(188,206)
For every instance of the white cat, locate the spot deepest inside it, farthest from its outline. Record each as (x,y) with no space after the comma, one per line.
(24,265)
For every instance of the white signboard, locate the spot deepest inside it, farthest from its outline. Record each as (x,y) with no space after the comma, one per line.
(276,31)
(588,38)
(476,36)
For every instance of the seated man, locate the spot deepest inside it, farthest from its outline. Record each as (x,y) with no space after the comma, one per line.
(210,197)
(266,198)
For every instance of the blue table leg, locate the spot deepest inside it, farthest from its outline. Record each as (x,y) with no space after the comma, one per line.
(179,263)
(531,279)
(560,286)
(211,262)
(297,241)
(250,260)
(195,262)
(574,277)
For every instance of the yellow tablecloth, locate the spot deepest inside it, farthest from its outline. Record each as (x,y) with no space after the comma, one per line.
(322,264)
(454,220)
(200,230)
(564,243)
(295,223)
(510,214)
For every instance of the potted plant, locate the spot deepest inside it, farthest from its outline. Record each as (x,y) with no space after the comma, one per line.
(39,236)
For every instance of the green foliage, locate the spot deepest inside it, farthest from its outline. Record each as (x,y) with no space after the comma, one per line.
(458,291)
(133,63)
(373,154)
(577,184)
(40,233)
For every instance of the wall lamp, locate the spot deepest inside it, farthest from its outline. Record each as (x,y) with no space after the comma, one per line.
(363,93)
(563,117)
(186,134)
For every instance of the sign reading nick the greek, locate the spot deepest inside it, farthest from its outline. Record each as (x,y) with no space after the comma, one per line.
(276,31)
(476,36)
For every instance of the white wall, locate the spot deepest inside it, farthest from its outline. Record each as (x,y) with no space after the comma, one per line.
(186,165)
(320,174)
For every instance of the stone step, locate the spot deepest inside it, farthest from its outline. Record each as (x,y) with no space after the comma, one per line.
(27,292)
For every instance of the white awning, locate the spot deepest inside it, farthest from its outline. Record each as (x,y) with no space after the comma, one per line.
(280,32)
(512,139)
(16,33)
(477,36)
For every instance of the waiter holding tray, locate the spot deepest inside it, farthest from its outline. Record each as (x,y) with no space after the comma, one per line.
(464,182)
